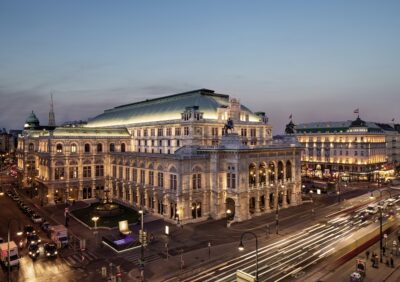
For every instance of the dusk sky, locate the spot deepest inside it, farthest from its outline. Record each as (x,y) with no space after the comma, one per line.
(318,60)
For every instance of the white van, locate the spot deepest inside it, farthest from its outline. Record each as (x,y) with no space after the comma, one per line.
(14,258)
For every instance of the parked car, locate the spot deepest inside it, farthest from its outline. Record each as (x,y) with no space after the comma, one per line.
(36,218)
(33,239)
(50,249)
(28,229)
(33,251)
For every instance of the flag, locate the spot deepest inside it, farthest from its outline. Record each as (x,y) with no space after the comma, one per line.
(356,111)
(290,117)
(392,119)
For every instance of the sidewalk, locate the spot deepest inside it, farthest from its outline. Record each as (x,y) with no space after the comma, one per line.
(382,273)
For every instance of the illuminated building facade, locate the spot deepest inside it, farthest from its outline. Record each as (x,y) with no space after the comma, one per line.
(171,156)
(355,150)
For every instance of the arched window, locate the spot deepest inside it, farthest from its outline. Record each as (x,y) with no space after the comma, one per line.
(262,174)
(112,147)
(288,170)
(271,172)
(123,147)
(252,175)
(280,170)
(74,148)
(99,148)
(59,148)
(87,148)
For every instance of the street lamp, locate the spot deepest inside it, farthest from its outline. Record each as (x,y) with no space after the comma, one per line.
(380,233)
(312,202)
(228,216)
(166,231)
(95,219)
(241,248)
(141,211)
(19,233)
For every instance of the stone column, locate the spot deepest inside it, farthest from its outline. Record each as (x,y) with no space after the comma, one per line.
(257,211)
(267,207)
(284,201)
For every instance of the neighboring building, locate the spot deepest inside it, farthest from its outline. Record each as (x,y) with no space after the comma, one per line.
(8,141)
(172,156)
(355,150)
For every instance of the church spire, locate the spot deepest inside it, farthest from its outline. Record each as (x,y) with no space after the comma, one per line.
(52,119)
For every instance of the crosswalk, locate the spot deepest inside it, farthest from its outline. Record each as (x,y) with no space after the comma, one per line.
(134,257)
(80,258)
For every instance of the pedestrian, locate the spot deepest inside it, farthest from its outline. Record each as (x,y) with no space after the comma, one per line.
(367,254)
(391,262)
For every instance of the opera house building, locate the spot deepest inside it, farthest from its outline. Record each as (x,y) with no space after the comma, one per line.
(188,157)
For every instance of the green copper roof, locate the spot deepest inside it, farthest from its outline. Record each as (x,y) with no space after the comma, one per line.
(166,108)
(83,131)
(335,126)
(32,119)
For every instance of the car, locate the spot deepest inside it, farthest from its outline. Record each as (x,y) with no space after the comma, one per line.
(372,209)
(28,229)
(45,226)
(390,202)
(36,218)
(50,249)
(33,251)
(33,239)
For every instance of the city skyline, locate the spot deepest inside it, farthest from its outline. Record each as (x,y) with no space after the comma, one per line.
(317,61)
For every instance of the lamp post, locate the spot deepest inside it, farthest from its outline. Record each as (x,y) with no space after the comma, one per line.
(380,233)
(312,202)
(228,215)
(241,248)
(277,215)
(141,211)
(95,219)
(338,190)
(19,233)
(167,236)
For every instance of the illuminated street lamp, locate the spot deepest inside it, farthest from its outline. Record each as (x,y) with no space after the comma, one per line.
(241,248)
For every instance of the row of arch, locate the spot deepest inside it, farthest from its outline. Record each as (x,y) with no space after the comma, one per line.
(87,148)
(270,172)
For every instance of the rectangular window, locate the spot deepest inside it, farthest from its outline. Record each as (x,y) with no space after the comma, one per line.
(186,130)
(120,172)
(139,133)
(153,132)
(73,172)
(99,170)
(87,171)
(114,171)
(127,173)
(134,175)
(214,132)
(196,181)
(172,182)
(243,132)
(59,173)
(231,180)
(151,178)
(160,179)
(145,132)
(169,131)
(142,177)
(159,132)
(253,132)
(177,131)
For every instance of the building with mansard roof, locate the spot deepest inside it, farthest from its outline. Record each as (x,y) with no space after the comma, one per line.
(351,150)
(172,156)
